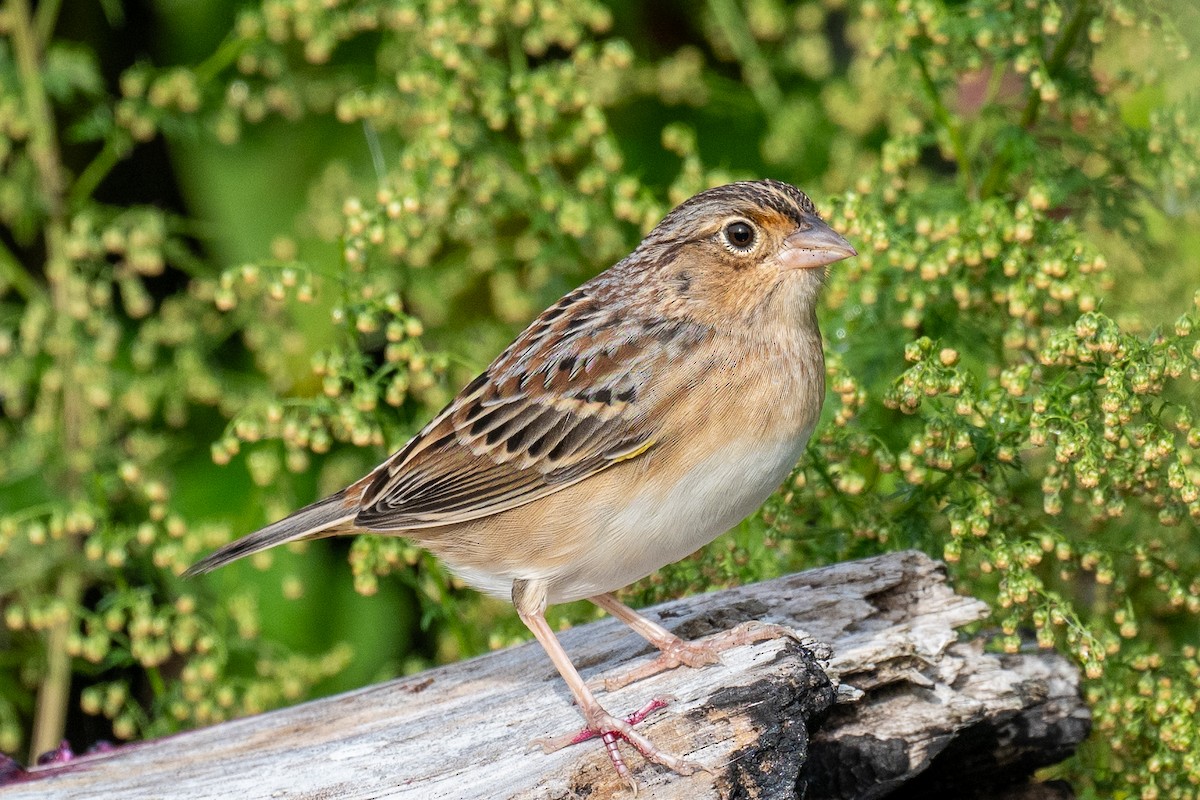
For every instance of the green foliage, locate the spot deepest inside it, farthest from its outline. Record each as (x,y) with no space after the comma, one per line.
(1014,359)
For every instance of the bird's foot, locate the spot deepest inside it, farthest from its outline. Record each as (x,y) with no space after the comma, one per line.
(550,745)
(678,652)
(610,730)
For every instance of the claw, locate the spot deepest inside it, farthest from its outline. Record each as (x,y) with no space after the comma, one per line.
(678,652)
(611,730)
(599,722)
(550,745)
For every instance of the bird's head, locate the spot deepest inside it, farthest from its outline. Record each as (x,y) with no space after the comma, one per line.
(742,249)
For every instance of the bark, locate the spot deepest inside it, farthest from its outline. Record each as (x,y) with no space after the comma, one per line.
(885,698)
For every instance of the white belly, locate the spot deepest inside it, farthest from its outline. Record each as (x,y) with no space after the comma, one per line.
(656,528)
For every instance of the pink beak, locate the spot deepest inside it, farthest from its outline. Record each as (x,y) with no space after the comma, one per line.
(815,246)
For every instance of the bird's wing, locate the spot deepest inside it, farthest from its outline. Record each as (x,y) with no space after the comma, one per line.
(573,395)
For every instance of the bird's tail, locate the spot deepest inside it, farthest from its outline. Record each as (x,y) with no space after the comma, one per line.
(308,522)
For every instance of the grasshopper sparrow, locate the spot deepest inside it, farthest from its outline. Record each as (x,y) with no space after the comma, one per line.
(635,420)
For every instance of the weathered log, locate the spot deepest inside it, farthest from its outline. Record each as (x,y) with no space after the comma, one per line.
(897,702)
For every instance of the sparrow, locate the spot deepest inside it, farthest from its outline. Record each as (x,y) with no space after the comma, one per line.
(635,420)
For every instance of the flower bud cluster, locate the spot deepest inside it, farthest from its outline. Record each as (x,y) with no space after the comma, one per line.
(1038,444)
(979,405)
(1174,144)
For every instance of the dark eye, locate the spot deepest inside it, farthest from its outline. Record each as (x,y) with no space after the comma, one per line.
(739,235)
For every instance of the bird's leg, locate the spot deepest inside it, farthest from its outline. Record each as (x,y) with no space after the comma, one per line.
(680,652)
(531,607)
(559,742)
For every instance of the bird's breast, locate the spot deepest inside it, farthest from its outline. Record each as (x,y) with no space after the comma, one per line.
(733,434)
(669,516)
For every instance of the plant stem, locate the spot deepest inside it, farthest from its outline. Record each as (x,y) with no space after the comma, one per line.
(1033,104)
(14,272)
(1057,59)
(46,19)
(952,126)
(54,690)
(755,70)
(208,69)
(115,148)
(42,136)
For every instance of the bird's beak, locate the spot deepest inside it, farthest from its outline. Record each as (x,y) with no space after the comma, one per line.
(815,246)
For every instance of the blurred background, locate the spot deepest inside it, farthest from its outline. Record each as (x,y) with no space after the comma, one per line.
(249,248)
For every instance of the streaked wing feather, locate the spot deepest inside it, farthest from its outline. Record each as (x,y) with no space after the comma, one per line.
(563,402)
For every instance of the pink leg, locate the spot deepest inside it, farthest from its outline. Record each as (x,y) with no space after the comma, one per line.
(599,722)
(559,742)
(679,652)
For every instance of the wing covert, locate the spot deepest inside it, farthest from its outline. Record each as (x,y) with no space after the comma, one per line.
(573,395)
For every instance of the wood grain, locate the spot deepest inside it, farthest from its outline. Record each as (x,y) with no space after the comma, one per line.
(895,695)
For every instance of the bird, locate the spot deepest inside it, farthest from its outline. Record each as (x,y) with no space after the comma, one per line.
(636,419)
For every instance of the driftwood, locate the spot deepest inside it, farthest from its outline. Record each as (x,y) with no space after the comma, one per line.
(898,704)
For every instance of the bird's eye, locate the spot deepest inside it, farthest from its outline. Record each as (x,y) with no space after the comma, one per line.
(739,235)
